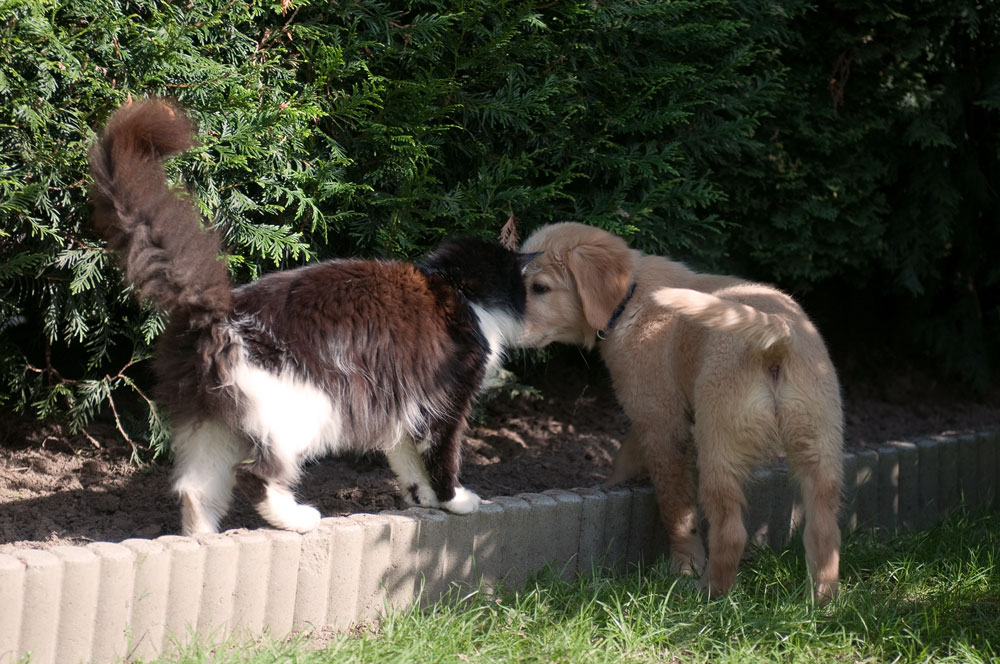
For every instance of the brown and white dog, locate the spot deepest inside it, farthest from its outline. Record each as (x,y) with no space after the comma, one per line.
(344,354)
(715,373)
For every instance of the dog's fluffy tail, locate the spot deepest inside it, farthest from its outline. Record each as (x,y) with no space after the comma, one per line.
(768,332)
(166,254)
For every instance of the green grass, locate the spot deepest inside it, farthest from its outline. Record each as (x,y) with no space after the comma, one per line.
(932,596)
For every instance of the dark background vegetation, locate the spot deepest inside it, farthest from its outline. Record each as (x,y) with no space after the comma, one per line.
(847,151)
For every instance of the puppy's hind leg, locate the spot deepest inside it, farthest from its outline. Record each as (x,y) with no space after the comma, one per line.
(818,467)
(720,491)
(205,454)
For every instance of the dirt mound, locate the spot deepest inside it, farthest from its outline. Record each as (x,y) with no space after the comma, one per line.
(59,489)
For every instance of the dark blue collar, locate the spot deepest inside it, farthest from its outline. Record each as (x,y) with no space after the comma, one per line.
(616,314)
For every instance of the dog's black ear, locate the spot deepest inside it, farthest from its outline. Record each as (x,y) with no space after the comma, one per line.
(524,260)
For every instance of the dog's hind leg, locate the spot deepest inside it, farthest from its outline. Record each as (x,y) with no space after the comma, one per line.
(810,419)
(267,482)
(821,494)
(205,454)
(670,461)
(721,472)
(818,467)
(278,506)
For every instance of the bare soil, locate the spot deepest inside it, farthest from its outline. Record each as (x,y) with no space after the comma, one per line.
(59,489)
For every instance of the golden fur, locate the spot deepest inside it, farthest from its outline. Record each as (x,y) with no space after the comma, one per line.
(737,367)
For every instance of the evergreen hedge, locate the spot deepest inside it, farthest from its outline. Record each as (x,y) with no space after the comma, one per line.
(881,192)
(810,144)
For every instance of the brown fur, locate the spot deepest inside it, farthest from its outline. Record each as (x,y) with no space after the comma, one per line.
(715,373)
(166,253)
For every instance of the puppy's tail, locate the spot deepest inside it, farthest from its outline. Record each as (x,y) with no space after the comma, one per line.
(166,254)
(769,332)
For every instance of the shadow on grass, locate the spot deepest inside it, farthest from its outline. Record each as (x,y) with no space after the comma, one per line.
(926,596)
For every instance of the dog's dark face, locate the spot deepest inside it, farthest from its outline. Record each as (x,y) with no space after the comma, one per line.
(574,285)
(485,272)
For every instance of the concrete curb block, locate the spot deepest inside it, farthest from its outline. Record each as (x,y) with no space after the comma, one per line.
(617,527)
(888,487)
(927,472)
(105,602)
(314,563)
(866,488)
(282,580)
(948,470)
(645,539)
(591,547)
(12,575)
(187,568)
(40,611)
(78,602)
(908,492)
(151,587)
(432,581)
(114,601)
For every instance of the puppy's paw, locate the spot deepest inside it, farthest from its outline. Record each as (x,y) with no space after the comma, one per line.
(688,564)
(420,495)
(824,592)
(464,502)
(713,589)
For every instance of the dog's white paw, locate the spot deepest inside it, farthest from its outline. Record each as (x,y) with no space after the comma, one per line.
(421,495)
(300,518)
(280,509)
(464,502)
(303,519)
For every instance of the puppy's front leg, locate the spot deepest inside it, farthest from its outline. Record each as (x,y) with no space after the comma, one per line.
(628,463)
(670,458)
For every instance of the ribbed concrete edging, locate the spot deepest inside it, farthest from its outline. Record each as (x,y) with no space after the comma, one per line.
(106,602)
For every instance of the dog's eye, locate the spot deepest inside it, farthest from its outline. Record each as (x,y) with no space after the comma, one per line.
(539,289)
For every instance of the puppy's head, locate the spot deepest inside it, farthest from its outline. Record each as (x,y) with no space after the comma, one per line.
(576,283)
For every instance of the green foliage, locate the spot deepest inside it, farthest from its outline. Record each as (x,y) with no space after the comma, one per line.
(881,174)
(70,328)
(703,128)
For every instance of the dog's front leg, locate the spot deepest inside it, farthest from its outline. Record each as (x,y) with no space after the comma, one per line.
(628,463)
(670,460)
(414,482)
(443,456)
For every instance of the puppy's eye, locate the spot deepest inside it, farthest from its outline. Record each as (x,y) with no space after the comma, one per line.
(539,289)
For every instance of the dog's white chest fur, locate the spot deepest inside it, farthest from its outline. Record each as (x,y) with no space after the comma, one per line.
(500,329)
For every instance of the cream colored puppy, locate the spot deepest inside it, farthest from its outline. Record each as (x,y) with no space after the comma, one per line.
(714,373)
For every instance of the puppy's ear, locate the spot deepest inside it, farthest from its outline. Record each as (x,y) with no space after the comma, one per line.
(603,273)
